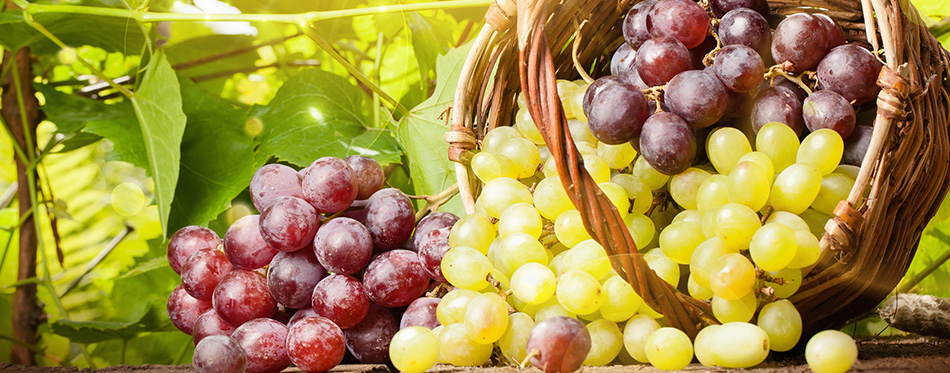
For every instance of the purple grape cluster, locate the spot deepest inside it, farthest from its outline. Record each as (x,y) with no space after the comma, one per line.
(672,63)
(326,267)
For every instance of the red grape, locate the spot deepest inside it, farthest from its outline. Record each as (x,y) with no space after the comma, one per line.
(242,296)
(698,110)
(683,20)
(315,344)
(780,81)
(291,277)
(203,271)
(563,344)
(623,60)
(218,354)
(289,223)
(369,175)
(435,220)
(835,33)
(272,181)
(187,241)
(826,109)
(615,109)
(660,59)
(341,299)
(265,343)
(368,341)
(777,104)
(343,246)
(799,42)
(390,218)
(850,71)
(739,68)
(301,314)
(329,184)
(747,27)
(635,30)
(421,312)
(667,143)
(432,247)
(244,246)
(721,7)
(857,145)
(208,324)
(395,278)
(183,309)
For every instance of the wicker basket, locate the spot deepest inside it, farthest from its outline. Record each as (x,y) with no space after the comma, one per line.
(867,247)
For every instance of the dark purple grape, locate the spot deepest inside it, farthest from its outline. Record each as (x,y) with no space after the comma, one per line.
(291,277)
(300,315)
(660,59)
(208,324)
(315,344)
(721,7)
(187,241)
(357,214)
(683,20)
(780,81)
(368,341)
(835,33)
(615,109)
(826,109)
(623,61)
(635,30)
(799,42)
(343,246)
(562,344)
(242,296)
(850,71)
(272,181)
(264,341)
(739,68)
(289,223)
(203,271)
(390,218)
(698,53)
(857,145)
(341,299)
(369,175)
(747,27)
(696,96)
(218,354)
(244,246)
(432,247)
(395,278)
(435,220)
(777,104)
(421,312)
(329,184)
(183,309)
(667,143)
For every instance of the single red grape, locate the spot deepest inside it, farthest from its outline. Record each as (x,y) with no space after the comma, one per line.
(421,312)
(208,324)
(315,344)
(343,246)
(265,343)
(183,309)
(291,277)
(289,223)
(329,184)
(369,175)
(203,271)
(341,299)
(218,354)
(272,181)
(390,218)
(244,246)
(242,296)
(395,278)
(187,241)
(368,341)
(562,344)
(432,247)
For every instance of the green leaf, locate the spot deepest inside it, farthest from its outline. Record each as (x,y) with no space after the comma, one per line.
(317,114)
(420,133)
(157,106)
(429,40)
(217,158)
(934,243)
(151,319)
(71,112)
(128,145)
(195,48)
(112,34)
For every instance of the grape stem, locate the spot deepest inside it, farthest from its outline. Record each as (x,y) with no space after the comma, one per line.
(778,70)
(435,201)
(760,273)
(577,43)
(767,211)
(655,94)
(533,353)
(711,56)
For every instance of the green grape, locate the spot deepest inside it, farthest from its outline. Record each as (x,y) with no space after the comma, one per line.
(789,220)
(791,281)
(575,104)
(831,351)
(685,185)
(620,301)
(763,161)
(549,169)
(669,349)
(515,339)
(795,188)
(550,198)
(475,230)
(591,316)
(808,250)
(635,335)
(733,223)
(523,153)
(544,152)
(569,228)
(739,345)
(638,192)
(773,246)
(579,292)
(499,276)
(457,347)
(816,221)
(704,258)
(580,132)
(691,216)
(748,184)
(493,139)
(732,277)
(528,309)
(414,349)
(617,195)
(606,341)
(823,149)
(697,291)
(451,308)
(712,193)
(740,310)
(556,263)
(703,345)
(486,317)
(550,309)
(678,240)
(533,283)
(519,249)
(597,167)
(664,267)
(641,228)
(565,90)
(488,166)
(466,268)
(655,179)
(848,170)
(782,322)
(502,192)
(520,218)
(617,156)
(587,148)
(526,127)
(724,146)
(646,310)
(834,188)
(779,142)
(588,256)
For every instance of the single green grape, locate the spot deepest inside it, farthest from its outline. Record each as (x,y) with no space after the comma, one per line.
(502,192)
(515,339)
(580,132)
(816,221)
(831,351)
(557,263)
(739,345)
(617,156)
(617,195)
(749,184)
(808,250)
(788,219)
(451,308)
(791,281)
(691,216)
(475,231)
(834,188)
(486,318)
(493,139)
(519,249)
(606,342)
(551,199)
(703,346)
(597,167)
(523,153)
(590,257)
(795,188)
(575,104)
(678,240)
(724,146)
(569,228)
(488,166)
(848,170)
(641,228)
(779,142)
(638,192)
(741,309)
(550,309)
(620,301)
(414,349)
(664,267)
(579,292)
(732,277)
(650,312)
(642,169)
(635,335)
(685,185)
(697,291)
(457,347)
(712,193)
(823,149)
(704,258)
(762,160)
(520,218)
(533,283)
(526,127)
(466,268)
(782,322)
(773,246)
(669,349)
(733,223)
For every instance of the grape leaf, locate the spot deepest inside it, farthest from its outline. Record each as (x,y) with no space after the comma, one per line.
(151,319)
(204,46)
(71,112)
(217,158)
(112,34)
(429,40)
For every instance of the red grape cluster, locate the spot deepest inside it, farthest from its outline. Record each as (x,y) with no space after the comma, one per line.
(707,68)
(324,268)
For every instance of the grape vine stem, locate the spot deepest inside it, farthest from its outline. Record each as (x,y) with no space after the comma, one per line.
(777,70)
(435,201)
